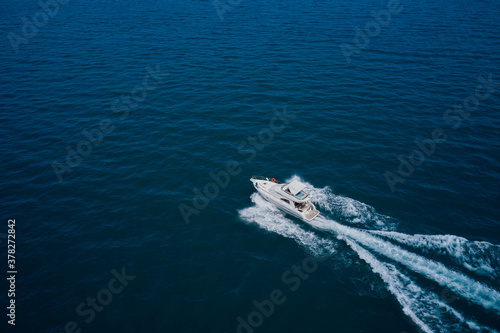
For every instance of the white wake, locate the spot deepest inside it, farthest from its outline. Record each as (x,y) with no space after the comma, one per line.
(475,256)
(425,308)
(270,218)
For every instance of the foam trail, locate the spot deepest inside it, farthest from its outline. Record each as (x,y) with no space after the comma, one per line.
(477,257)
(425,309)
(270,218)
(387,272)
(457,282)
(416,302)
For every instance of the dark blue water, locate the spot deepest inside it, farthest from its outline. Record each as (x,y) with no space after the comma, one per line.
(117,116)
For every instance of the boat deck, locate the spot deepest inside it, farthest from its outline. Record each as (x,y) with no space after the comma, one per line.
(310,214)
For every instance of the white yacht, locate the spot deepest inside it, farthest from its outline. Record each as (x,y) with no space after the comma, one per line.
(289,197)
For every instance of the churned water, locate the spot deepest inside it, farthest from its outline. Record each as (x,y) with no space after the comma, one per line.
(130,130)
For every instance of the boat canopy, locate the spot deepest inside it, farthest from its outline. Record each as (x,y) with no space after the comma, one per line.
(295,187)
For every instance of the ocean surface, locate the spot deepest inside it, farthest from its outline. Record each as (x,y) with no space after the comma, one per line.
(130,129)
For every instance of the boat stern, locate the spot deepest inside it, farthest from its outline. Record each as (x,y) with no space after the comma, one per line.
(311,214)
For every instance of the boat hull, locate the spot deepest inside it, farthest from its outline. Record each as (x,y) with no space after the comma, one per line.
(264,187)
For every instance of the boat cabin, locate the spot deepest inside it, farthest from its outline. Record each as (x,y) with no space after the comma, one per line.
(295,189)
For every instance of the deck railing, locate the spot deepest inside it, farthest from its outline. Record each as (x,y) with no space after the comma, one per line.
(267,178)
